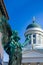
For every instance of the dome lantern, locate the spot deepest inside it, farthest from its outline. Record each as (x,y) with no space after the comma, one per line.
(33,24)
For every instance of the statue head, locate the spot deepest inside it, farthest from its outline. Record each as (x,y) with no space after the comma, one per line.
(15,36)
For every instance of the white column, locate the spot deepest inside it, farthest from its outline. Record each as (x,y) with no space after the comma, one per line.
(36,38)
(32,41)
(41,39)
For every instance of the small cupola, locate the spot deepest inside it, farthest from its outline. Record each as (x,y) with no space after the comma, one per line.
(33,24)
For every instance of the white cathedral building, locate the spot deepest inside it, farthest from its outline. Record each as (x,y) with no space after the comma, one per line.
(32,53)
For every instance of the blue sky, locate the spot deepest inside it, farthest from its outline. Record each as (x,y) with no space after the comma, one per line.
(21,12)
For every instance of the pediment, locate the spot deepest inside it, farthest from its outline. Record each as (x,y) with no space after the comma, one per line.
(32,53)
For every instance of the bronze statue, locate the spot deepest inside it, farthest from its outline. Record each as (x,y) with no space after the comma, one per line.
(11,44)
(14,49)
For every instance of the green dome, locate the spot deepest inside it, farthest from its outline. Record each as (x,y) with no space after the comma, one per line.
(33,25)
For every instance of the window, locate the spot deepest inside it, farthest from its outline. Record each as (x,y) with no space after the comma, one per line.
(39,38)
(34,38)
(29,36)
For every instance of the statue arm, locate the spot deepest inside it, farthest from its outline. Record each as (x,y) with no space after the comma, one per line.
(22,45)
(26,41)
